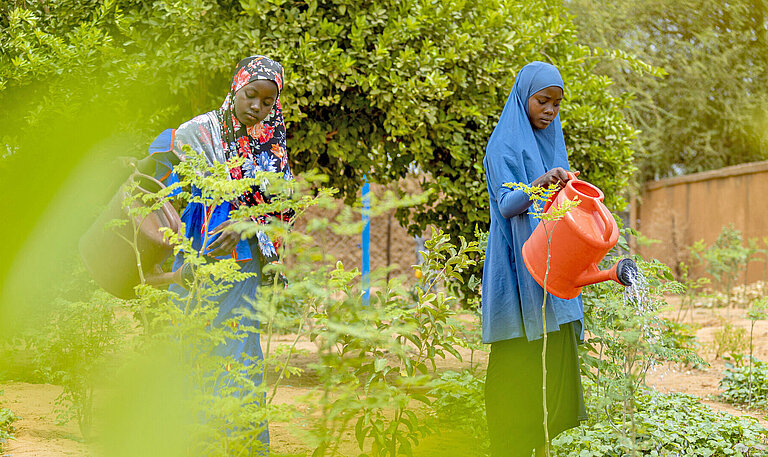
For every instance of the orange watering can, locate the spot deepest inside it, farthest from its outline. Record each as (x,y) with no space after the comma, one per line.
(580,240)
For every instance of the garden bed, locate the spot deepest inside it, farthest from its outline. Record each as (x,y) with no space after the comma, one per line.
(38,434)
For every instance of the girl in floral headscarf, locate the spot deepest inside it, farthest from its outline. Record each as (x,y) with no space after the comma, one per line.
(249,125)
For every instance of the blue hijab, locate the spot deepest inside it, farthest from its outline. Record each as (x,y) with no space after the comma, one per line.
(518,152)
(529,152)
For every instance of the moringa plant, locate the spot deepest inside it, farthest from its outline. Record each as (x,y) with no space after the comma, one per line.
(76,348)
(627,338)
(725,260)
(757,312)
(374,362)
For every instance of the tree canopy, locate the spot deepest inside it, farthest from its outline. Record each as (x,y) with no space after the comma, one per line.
(709,111)
(375,88)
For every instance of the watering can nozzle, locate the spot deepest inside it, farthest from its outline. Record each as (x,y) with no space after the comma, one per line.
(623,272)
(626,272)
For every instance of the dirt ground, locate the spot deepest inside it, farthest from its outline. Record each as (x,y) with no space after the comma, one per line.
(703,382)
(38,435)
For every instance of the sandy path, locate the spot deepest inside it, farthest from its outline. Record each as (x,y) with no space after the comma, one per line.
(37,434)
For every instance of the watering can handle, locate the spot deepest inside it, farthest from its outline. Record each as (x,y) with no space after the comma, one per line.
(171,216)
(551,200)
(607,220)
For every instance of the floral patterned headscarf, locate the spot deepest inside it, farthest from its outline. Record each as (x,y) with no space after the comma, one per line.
(261,145)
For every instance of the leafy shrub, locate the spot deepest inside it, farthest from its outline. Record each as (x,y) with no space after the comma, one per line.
(350,65)
(459,402)
(693,288)
(74,349)
(376,361)
(680,336)
(725,260)
(626,334)
(626,338)
(19,364)
(746,384)
(668,425)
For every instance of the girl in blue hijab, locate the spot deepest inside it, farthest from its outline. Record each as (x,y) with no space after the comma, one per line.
(527,146)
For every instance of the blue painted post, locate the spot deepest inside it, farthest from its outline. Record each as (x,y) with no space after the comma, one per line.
(366,242)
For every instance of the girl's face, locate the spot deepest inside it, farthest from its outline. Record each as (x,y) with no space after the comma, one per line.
(254,101)
(543,106)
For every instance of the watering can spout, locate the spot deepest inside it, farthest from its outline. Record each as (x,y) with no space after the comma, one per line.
(623,273)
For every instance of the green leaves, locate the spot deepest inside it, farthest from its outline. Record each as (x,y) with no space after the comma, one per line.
(376,88)
(669,425)
(705,58)
(725,259)
(539,196)
(76,348)
(7,418)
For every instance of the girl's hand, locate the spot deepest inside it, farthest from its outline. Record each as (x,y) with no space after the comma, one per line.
(558,176)
(226,242)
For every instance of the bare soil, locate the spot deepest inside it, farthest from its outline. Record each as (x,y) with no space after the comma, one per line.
(704,382)
(38,434)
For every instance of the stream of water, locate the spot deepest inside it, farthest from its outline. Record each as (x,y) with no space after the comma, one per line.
(637,293)
(638,297)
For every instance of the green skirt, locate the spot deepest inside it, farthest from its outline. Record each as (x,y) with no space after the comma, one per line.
(513,391)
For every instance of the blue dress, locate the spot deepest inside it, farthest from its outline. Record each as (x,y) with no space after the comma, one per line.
(518,153)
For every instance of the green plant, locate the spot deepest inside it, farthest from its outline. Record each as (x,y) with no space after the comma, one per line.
(7,418)
(235,396)
(746,384)
(680,336)
(76,348)
(469,327)
(757,312)
(376,361)
(729,339)
(665,424)
(692,291)
(458,401)
(725,260)
(668,425)
(626,338)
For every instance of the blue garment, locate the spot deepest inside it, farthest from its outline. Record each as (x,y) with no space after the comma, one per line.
(518,152)
(234,299)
